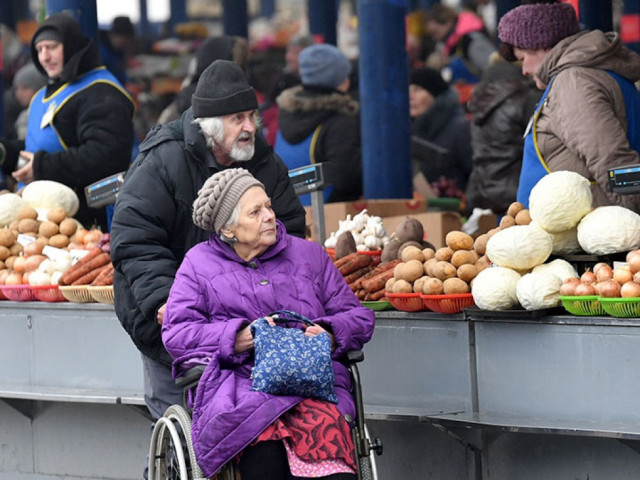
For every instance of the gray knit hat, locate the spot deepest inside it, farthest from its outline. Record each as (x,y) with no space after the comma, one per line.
(222,89)
(219,196)
(323,65)
(29,77)
(538,26)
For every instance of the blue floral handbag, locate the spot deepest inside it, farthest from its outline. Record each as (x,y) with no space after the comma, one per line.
(289,363)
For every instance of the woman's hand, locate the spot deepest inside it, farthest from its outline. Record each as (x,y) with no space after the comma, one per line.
(25,174)
(317,329)
(244,339)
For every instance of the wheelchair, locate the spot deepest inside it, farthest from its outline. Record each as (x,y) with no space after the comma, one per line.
(171,453)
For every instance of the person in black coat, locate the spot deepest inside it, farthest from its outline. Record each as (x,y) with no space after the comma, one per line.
(500,107)
(152,228)
(80,127)
(438,118)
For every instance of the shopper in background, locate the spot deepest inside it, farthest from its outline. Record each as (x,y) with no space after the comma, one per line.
(80,127)
(152,228)
(318,122)
(26,82)
(442,167)
(500,108)
(224,47)
(585,120)
(116,46)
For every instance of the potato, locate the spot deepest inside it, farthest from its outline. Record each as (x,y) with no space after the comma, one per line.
(7,237)
(389,285)
(397,271)
(68,226)
(523,218)
(4,253)
(408,244)
(480,245)
(482,263)
(457,240)
(444,254)
(8,262)
(514,208)
(13,226)
(27,212)
(460,257)
(467,272)
(56,215)
(493,231)
(412,270)
(15,249)
(28,225)
(507,221)
(432,286)
(48,229)
(454,285)
(428,265)
(417,285)
(428,253)
(444,270)
(411,253)
(59,241)
(402,286)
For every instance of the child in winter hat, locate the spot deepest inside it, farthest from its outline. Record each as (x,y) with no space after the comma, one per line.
(323,66)
(537,26)
(219,196)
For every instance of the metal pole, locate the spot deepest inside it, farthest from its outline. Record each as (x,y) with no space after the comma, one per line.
(145,31)
(596,14)
(235,19)
(178,13)
(317,207)
(84,11)
(268,8)
(384,100)
(630,25)
(7,14)
(323,17)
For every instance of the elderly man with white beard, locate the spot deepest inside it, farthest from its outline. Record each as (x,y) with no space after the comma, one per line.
(152,228)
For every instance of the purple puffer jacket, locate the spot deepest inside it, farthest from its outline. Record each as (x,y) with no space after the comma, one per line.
(215,295)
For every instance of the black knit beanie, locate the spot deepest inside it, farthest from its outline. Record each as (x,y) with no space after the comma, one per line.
(429,79)
(221,90)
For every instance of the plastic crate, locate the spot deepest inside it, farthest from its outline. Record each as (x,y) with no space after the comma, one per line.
(453,303)
(102,294)
(18,293)
(47,293)
(621,307)
(407,302)
(76,294)
(587,305)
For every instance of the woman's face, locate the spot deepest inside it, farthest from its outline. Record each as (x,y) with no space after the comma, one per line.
(255,230)
(419,100)
(531,61)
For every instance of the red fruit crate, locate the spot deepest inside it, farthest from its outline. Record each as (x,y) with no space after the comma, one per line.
(453,303)
(18,293)
(407,302)
(48,293)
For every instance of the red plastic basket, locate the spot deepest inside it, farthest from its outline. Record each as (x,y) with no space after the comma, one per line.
(47,293)
(18,293)
(407,302)
(332,253)
(448,303)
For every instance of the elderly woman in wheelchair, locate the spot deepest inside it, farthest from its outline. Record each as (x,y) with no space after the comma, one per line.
(247,269)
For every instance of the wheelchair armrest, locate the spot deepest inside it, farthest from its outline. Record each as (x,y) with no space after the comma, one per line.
(190,377)
(355,356)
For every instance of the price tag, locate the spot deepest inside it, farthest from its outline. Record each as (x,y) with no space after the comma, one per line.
(25,240)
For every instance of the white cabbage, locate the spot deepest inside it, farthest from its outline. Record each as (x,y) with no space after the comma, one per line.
(47,194)
(520,247)
(495,288)
(560,200)
(560,268)
(10,203)
(608,230)
(538,290)
(565,242)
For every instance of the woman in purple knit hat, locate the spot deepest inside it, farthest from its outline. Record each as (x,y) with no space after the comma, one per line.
(584,121)
(247,269)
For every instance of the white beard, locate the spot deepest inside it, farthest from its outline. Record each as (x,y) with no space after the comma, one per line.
(242,154)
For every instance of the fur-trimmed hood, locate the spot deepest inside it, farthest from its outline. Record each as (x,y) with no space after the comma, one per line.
(302,109)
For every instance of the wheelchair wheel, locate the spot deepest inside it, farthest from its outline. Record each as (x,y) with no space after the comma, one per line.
(171,455)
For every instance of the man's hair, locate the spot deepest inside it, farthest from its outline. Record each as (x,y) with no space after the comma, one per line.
(213,128)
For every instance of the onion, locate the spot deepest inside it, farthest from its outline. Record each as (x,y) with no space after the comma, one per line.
(630,289)
(609,289)
(631,254)
(568,287)
(634,263)
(19,264)
(588,277)
(598,266)
(33,262)
(622,275)
(604,273)
(13,278)
(636,278)
(584,289)
(33,248)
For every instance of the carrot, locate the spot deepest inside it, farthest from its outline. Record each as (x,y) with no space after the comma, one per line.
(378,282)
(383,267)
(75,271)
(88,278)
(352,277)
(343,260)
(377,295)
(356,264)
